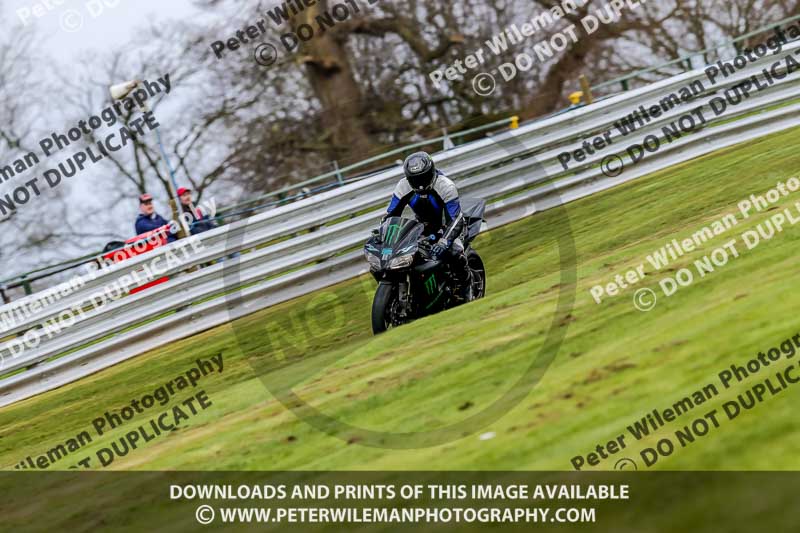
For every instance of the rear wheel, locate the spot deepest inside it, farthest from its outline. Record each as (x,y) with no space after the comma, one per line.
(385,308)
(478,275)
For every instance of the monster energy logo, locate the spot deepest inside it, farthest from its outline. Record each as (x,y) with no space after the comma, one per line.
(392,232)
(430,284)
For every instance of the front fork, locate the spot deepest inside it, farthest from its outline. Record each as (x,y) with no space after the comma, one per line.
(402,296)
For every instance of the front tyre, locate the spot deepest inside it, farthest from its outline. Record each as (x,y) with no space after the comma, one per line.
(385,308)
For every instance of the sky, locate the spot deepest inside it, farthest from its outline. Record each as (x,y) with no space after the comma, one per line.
(70,27)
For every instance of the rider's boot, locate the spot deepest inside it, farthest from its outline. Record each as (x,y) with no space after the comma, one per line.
(463,279)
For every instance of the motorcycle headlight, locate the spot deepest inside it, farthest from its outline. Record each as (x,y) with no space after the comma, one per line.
(402,261)
(373,261)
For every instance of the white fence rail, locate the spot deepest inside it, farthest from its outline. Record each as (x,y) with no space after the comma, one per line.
(518,172)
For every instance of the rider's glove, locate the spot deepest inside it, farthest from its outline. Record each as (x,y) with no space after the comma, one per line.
(440,247)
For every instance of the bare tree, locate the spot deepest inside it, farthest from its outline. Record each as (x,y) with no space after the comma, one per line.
(29,234)
(673,29)
(352,91)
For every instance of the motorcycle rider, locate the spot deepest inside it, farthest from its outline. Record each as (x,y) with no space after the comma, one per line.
(434,199)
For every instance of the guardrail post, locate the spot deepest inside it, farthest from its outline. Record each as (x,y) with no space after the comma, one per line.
(448,142)
(587,90)
(339,177)
(6,299)
(27,286)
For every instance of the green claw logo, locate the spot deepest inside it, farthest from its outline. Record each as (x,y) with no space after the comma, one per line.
(430,284)
(392,233)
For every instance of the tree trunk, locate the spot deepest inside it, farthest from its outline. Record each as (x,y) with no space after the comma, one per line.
(332,79)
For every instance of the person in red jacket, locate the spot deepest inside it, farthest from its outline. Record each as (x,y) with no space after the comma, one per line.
(198,222)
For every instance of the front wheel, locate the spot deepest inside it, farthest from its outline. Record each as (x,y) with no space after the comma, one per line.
(385,308)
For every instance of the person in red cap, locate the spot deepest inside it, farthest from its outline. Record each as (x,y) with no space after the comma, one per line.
(148,219)
(198,222)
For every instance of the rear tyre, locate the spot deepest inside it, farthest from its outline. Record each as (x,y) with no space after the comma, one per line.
(385,308)
(478,275)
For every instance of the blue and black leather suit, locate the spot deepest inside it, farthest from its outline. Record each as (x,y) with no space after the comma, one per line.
(439,209)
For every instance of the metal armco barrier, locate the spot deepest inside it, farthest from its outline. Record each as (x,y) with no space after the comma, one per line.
(518,172)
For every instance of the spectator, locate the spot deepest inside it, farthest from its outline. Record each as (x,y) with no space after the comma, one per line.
(198,222)
(148,220)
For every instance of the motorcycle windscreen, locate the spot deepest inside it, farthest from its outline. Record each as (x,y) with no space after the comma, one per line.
(398,234)
(473,209)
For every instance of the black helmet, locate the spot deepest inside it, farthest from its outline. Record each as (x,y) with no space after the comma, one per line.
(420,171)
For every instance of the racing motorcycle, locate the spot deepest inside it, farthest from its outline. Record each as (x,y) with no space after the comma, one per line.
(411,282)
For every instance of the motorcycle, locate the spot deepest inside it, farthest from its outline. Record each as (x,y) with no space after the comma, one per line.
(411,282)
